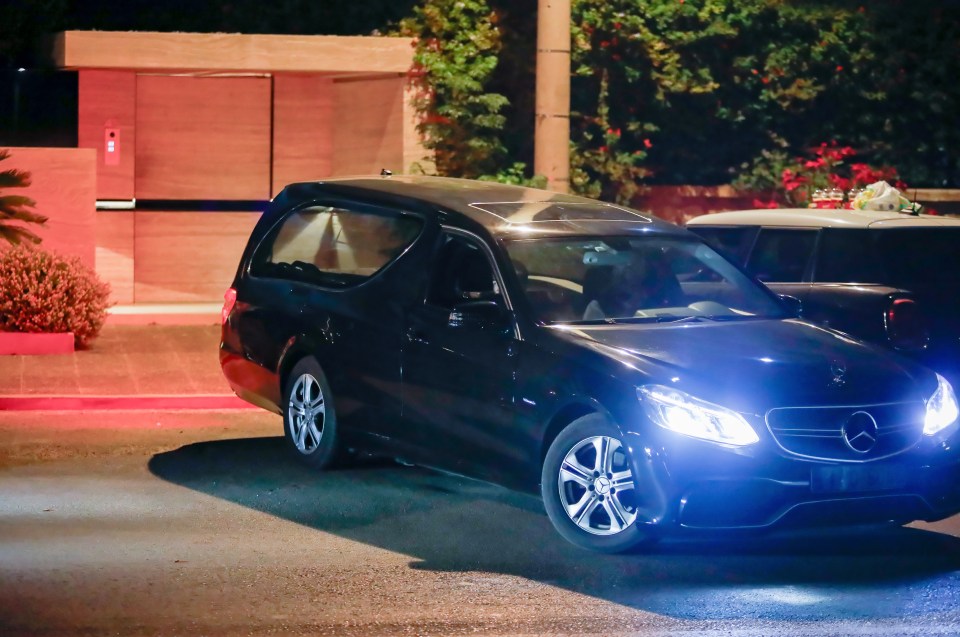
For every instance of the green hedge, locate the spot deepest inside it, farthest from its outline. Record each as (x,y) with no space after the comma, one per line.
(696,91)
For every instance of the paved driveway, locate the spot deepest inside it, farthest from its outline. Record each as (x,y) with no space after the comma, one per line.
(124,360)
(198,524)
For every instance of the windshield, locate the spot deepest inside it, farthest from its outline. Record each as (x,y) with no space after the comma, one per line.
(634,279)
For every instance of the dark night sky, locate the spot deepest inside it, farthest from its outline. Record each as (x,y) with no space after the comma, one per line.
(25,24)
(249,16)
(38,106)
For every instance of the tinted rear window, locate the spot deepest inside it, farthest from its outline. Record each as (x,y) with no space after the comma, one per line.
(733,243)
(782,256)
(920,257)
(847,256)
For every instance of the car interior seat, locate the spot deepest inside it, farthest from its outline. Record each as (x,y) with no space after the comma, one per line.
(474,276)
(596,282)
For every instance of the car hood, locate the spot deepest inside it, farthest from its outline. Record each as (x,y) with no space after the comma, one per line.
(755,365)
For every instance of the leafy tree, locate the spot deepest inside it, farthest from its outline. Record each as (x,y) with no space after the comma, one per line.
(16,209)
(901,100)
(698,91)
(457,46)
(704,88)
(701,86)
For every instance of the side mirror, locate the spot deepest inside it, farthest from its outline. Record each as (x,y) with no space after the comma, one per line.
(488,316)
(792,305)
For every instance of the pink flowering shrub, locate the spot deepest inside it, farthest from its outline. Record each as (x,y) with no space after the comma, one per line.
(45,292)
(791,181)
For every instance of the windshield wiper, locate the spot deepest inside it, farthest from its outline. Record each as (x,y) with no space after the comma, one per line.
(735,317)
(667,318)
(633,320)
(659,318)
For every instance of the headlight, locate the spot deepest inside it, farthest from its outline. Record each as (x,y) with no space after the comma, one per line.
(684,414)
(942,408)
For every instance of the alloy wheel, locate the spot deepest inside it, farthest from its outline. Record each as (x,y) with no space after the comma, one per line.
(306,413)
(596,486)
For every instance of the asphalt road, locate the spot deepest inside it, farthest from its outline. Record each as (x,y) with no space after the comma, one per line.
(198,524)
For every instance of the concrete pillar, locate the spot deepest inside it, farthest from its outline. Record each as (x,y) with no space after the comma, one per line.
(551,149)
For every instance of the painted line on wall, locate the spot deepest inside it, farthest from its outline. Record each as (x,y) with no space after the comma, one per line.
(153,402)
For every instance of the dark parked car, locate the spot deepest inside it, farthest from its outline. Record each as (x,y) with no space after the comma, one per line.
(616,364)
(885,277)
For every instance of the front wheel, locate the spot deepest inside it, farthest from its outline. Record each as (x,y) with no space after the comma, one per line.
(588,487)
(309,420)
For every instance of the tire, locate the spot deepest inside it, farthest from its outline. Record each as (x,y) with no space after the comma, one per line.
(589,490)
(309,418)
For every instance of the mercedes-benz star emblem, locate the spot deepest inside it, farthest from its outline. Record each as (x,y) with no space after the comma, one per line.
(839,371)
(860,432)
(602,485)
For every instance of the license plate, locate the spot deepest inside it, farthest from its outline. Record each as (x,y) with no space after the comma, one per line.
(853,478)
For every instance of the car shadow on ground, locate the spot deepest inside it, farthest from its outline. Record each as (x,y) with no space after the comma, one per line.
(449,523)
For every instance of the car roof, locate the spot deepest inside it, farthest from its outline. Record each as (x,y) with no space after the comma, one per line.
(502,209)
(819,218)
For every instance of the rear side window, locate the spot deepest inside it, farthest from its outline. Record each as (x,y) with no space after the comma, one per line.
(733,243)
(782,256)
(847,256)
(333,247)
(921,258)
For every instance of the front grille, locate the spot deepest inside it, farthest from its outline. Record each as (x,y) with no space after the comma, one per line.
(818,432)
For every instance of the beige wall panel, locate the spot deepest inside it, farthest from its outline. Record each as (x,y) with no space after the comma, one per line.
(188,256)
(203,138)
(63,185)
(115,253)
(108,99)
(303,116)
(370,126)
(232,52)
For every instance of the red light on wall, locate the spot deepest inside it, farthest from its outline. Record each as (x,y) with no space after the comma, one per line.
(111,146)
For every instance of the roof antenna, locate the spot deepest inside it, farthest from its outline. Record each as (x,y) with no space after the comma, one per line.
(385,173)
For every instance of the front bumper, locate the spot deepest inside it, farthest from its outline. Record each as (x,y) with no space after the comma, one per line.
(689,484)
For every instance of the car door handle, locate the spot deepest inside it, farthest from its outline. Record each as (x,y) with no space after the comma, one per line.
(416,336)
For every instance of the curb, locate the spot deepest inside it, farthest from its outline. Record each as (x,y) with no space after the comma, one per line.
(165,314)
(200,402)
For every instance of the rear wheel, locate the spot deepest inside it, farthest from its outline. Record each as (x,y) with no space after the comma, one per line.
(588,487)
(309,419)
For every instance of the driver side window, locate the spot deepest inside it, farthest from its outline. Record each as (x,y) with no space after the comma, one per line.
(462,273)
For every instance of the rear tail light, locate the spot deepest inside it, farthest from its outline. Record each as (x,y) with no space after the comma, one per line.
(906,325)
(229,300)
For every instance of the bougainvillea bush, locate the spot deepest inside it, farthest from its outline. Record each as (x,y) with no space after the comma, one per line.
(790,181)
(45,292)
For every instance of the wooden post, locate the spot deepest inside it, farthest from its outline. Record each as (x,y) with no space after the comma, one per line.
(551,150)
